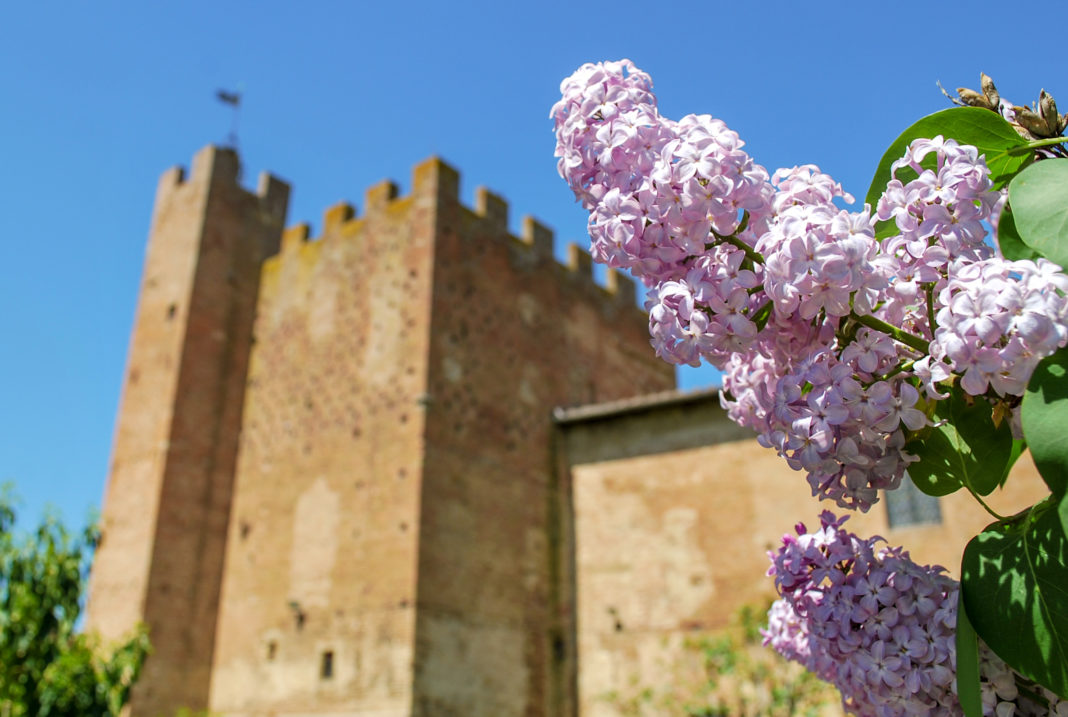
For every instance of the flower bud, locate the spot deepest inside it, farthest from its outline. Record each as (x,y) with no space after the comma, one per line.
(1048,107)
(989,90)
(974,99)
(1032,122)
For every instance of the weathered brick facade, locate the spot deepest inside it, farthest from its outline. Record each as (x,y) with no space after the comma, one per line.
(332,487)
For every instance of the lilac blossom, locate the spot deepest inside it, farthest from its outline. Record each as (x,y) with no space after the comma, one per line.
(880,627)
(997,319)
(828,336)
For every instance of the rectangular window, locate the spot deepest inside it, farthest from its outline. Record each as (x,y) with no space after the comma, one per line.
(326,667)
(908,505)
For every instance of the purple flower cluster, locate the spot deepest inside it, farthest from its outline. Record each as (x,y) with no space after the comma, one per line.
(817,257)
(997,319)
(940,214)
(826,333)
(866,618)
(707,313)
(841,425)
(880,627)
(607,115)
(663,196)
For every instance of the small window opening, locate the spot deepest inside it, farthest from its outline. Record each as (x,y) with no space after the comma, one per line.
(559,648)
(272,650)
(326,667)
(907,505)
(171,310)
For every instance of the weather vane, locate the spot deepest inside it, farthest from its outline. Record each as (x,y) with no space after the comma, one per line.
(234,100)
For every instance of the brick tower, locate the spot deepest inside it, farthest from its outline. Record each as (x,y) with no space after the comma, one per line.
(334,489)
(168,499)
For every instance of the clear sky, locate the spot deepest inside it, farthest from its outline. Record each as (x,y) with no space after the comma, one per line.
(98,99)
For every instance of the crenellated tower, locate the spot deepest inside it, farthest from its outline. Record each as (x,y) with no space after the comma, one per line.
(167,507)
(334,489)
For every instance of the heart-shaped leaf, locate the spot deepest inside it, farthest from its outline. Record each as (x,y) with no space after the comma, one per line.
(1014,581)
(1039,199)
(1044,415)
(1009,242)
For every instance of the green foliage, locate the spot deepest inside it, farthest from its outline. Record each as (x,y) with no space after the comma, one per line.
(1014,578)
(730,674)
(1045,418)
(1009,242)
(47,668)
(965,448)
(1039,200)
(1015,590)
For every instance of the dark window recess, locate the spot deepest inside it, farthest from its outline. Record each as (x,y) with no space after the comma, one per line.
(326,667)
(272,650)
(559,648)
(170,311)
(909,506)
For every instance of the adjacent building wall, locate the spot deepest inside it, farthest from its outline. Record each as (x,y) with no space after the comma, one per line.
(675,509)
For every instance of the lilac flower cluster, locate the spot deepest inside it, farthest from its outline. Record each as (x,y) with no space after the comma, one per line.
(940,214)
(841,425)
(826,333)
(997,320)
(817,257)
(880,627)
(663,196)
(607,111)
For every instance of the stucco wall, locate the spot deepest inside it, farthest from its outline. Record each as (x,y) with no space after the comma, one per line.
(670,545)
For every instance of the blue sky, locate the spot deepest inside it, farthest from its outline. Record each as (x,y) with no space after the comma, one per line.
(98,99)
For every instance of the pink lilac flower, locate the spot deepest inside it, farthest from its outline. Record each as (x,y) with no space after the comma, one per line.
(769,280)
(997,319)
(607,129)
(940,213)
(706,314)
(880,627)
(817,260)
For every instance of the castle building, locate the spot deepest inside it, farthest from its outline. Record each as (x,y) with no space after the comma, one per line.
(415,466)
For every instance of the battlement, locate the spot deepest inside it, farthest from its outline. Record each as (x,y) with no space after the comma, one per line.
(220,168)
(434,180)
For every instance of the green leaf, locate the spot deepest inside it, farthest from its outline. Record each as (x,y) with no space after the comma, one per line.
(1018,447)
(885,228)
(968,692)
(1044,415)
(1039,199)
(966,449)
(986,130)
(1014,581)
(1009,242)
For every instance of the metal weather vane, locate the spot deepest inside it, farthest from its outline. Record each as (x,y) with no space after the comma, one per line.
(234,100)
